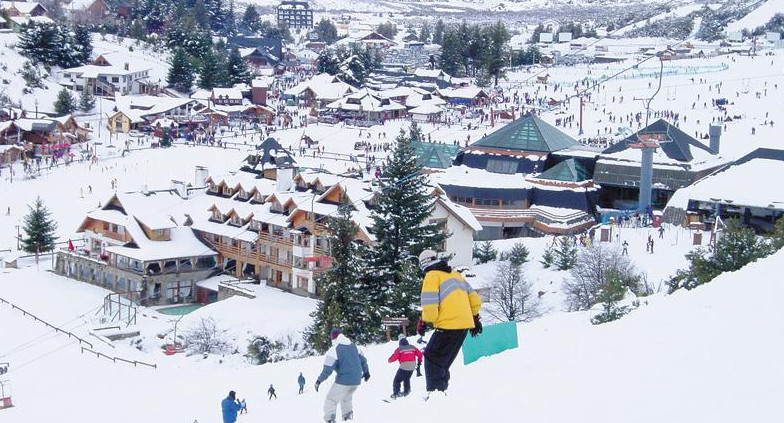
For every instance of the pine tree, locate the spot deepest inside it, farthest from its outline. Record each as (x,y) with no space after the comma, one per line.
(39,229)
(735,247)
(548,257)
(401,229)
(609,296)
(424,33)
(250,19)
(341,304)
(438,32)
(326,30)
(84,43)
(86,101)
(518,254)
(236,69)
(180,74)
(212,73)
(65,103)
(496,54)
(565,254)
(484,252)
(327,62)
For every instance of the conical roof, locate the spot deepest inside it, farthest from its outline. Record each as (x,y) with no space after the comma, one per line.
(528,133)
(677,144)
(568,171)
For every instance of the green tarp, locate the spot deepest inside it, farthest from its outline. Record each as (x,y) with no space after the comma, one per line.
(493,340)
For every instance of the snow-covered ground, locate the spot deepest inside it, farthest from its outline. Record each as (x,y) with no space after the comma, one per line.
(758,17)
(708,355)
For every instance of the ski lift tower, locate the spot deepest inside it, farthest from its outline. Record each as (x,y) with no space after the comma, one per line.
(647,144)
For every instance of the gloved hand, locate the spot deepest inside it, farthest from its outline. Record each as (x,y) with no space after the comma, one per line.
(317,385)
(421,328)
(418,369)
(366,376)
(477,326)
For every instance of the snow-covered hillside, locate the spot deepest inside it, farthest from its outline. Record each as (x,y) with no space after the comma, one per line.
(708,355)
(758,17)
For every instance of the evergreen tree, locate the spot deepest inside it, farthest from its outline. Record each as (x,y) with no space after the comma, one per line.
(484,252)
(84,43)
(237,70)
(387,29)
(39,42)
(438,32)
(327,62)
(517,255)
(424,33)
(39,229)
(777,238)
(326,30)
(402,231)
(65,103)
(211,74)
(341,305)
(230,21)
(86,101)
(138,30)
(180,74)
(450,59)
(735,247)
(251,20)
(609,296)
(565,254)
(548,257)
(496,54)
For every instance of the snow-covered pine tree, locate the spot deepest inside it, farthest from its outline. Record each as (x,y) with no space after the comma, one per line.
(250,20)
(86,101)
(211,73)
(565,254)
(402,231)
(65,103)
(548,256)
(84,43)
(38,41)
(180,74)
(327,62)
(340,286)
(484,252)
(39,229)
(236,68)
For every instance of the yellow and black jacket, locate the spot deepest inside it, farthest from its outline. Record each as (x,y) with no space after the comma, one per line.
(448,301)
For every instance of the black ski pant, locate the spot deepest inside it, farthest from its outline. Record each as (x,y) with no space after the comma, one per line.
(440,352)
(402,377)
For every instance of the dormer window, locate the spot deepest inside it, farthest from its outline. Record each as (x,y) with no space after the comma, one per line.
(243,195)
(216,215)
(226,191)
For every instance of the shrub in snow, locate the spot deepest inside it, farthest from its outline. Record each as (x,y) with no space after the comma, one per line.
(484,252)
(33,75)
(548,256)
(615,300)
(518,254)
(597,271)
(735,247)
(509,295)
(565,254)
(206,337)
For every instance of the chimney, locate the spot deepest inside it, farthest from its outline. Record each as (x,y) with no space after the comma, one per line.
(285,178)
(181,189)
(714,133)
(127,66)
(202,173)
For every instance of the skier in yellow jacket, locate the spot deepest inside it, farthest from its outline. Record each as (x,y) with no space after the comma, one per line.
(452,306)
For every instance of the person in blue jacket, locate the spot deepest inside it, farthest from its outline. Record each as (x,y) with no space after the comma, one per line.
(350,366)
(230,407)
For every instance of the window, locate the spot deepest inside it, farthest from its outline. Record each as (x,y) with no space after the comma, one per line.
(115,79)
(501,165)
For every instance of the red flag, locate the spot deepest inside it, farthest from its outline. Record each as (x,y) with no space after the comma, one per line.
(70,245)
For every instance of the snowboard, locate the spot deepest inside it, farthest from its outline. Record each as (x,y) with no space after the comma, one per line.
(493,340)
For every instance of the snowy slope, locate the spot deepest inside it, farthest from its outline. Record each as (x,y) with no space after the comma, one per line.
(758,17)
(709,355)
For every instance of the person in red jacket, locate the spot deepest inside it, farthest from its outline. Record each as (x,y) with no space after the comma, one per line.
(410,358)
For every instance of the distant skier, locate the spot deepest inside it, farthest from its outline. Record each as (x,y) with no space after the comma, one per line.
(301,381)
(661,232)
(244,406)
(350,365)
(271,392)
(452,305)
(230,407)
(625,251)
(410,358)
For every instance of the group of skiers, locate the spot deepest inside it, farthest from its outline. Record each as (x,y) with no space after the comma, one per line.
(449,304)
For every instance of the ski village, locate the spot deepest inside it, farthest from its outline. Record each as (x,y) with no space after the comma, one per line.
(381,211)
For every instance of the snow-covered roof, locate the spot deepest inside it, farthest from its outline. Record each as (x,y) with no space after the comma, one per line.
(25,8)
(426,109)
(745,183)
(461,212)
(462,92)
(137,107)
(365,100)
(227,93)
